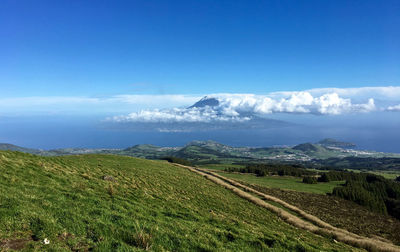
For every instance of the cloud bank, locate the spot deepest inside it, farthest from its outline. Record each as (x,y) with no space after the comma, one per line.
(394,108)
(227,108)
(207,114)
(386,93)
(244,107)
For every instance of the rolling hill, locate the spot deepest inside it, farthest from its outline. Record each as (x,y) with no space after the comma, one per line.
(11,147)
(316,155)
(116,203)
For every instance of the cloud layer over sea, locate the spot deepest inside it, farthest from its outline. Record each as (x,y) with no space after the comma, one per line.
(244,107)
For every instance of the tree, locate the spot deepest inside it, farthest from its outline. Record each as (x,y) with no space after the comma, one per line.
(324,178)
(177,160)
(260,173)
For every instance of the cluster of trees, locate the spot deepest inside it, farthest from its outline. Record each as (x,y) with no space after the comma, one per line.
(361,163)
(177,160)
(337,176)
(310,180)
(373,191)
(274,169)
(366,189)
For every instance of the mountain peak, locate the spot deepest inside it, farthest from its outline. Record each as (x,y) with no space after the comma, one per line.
(206,101)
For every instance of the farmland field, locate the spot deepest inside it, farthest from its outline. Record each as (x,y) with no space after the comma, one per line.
(284,182)
(220,167)
(340,213)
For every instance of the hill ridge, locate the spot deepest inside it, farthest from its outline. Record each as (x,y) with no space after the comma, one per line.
(201,152)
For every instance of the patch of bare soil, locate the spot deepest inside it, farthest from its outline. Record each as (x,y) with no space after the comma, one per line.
(14,244)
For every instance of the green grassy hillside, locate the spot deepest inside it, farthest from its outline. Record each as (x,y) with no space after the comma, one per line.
(116,203)
(284,182)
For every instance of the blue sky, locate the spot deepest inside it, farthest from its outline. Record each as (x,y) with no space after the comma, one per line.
(95,48)
(73,72)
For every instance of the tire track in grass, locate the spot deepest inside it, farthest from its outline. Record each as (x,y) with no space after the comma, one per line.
(310,222)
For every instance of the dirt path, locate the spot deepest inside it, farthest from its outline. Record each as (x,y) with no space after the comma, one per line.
(307,221)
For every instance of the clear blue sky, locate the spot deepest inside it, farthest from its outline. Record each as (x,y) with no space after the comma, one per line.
(95,48)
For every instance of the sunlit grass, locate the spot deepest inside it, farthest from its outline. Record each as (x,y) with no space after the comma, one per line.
(141,204)
(284,182)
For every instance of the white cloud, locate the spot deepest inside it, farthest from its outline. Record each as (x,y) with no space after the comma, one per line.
(387,93)
(206,114)
(243,107)
(232,107)
(394,108)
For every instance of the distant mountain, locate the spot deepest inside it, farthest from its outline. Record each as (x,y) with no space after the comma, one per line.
(206,115)
(205,101)
(330,142)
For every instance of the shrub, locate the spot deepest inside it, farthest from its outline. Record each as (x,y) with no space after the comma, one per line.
(310,180)
(110,190)
(323,178)
(141,238)
(260,173)
(177,160)
(274,169)
(41,228)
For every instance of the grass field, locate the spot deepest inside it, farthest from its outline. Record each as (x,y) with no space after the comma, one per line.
(284,182)
(115,203)
(220,167)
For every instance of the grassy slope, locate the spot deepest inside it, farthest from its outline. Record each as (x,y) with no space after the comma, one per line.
(284,182)
(66,200)
(220,167)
